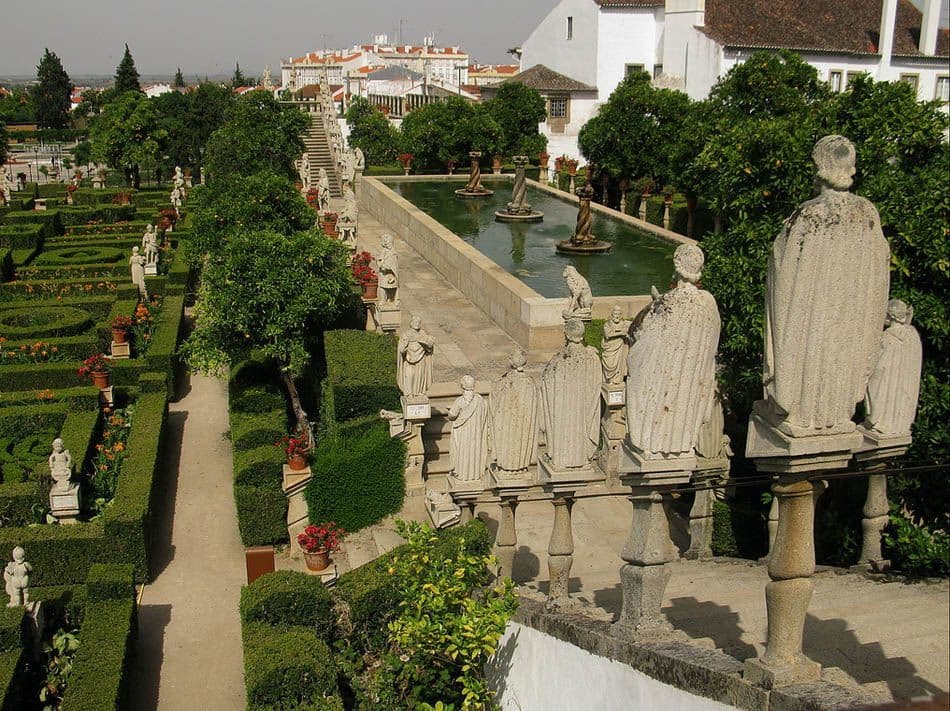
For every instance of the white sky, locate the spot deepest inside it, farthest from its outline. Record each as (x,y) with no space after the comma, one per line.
(208,36)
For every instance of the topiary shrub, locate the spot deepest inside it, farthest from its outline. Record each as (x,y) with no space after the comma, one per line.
(262,514)
(286,668)
(361,374)
(110,581)
(360,476)
(43,322)
(287,597)
(259,467)
(91,254)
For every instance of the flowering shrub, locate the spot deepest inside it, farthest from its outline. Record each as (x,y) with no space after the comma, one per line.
(105,466)
(313,196)
(122,323)
(122,198)
(97,363)
(294,446)
(365,275)
(325,536)
(362,259)
(71,188)
(405,159)
(39,352)
(143,323)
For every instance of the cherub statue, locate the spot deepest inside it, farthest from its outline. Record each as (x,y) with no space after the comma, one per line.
(17,578)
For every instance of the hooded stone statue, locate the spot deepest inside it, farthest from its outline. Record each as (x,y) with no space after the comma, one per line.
(894,387)
(514,412)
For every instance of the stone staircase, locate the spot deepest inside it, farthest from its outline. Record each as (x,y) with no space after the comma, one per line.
(318,149)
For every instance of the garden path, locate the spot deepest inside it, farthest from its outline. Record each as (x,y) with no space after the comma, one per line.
(188,653)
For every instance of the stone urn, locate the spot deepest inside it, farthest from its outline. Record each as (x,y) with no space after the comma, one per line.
(318,560)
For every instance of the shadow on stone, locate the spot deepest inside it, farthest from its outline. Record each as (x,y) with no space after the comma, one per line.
(832,644)
(146,664)
(527,565)
(705,619)
(162,549)
(610,599)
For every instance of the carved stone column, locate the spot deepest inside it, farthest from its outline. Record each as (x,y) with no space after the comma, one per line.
(507,537)
(701,526)
(560,551)
(772,525)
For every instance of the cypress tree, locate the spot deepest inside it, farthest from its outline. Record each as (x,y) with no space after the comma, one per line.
(238,79)
(52,94)
(126,75)
(179,79)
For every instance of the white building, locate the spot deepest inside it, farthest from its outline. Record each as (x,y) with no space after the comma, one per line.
(689,44)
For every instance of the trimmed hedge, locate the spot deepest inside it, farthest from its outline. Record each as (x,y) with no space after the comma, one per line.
(262,515)
(87,254)
(6,263)
(21,236)
(43,322)
(109,582)
(361,375)
(259,467)
(361,475)
(49,221)
(287,597)
(286,667)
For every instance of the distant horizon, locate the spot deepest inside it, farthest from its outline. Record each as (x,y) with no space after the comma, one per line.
(207,37)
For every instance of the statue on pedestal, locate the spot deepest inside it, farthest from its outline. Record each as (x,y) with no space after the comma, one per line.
(672,363)
(150,245)
(305,171)
(570,401)
(16,575)
(387,264)
(826,297)
(615,346)
(4,188)
(137,267)
(514,409)
(582,300)
(359,164)
(414,359)
(60,466)
(469,445)
(323,190)
(894,386)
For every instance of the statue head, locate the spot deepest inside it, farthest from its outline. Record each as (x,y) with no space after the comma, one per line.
(387,241)
(415,323)
(517,360)
(574,330)
(834,158)
(571,274)
(135,251)
(467,382)
(58,445)
(616,314)
(688,262)
(899,312)
(19,555)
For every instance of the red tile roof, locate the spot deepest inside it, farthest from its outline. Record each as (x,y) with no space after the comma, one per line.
(850,26)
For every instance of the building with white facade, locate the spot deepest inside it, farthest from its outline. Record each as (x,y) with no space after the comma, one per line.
(690,44)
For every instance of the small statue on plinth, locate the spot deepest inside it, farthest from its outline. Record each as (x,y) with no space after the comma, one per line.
(583,241)
(894,387)
(137,268)
(305,171)
(176,199)
(582,300)
(414,360)
(349,218)
(150,246)
(359,161)
(468,448)
(519,210)
(387,264)
(16,575)
(615,346)
(323,190)
(474,188)
(514,411)
(60,466)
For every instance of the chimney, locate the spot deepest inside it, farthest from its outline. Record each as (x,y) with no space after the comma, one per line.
(885,42)
(929,27)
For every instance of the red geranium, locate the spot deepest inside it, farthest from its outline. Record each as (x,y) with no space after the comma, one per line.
(97,363)
(325,536)
(294,446)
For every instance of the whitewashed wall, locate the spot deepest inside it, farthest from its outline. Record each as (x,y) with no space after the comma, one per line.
(543,673)
(548,44)
(582,111)
(626,36)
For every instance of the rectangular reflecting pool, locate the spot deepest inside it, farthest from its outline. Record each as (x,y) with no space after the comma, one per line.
(636,262)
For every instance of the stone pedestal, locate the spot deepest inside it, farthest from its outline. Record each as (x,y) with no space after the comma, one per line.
(107,397)
(120,351)
(613,427)
(371,324)
(388,319)
(506,539)
(442,509)
(658,470)
(416,411)
(775,451)
(97,183)
(298,515)
(772,526)
(415,408)
(709,473)
(647,552)
(465,494)
(151,270)
(65,505)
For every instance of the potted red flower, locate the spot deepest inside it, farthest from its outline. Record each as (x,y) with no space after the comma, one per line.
(559,164)
(543,157)
(70,189)
(369,282)
(318,542)
(296,449)
(406,160)
(96,368)
(329,221)
(496,165)
(121,325)
(451,166)
(313,197)
(571,167)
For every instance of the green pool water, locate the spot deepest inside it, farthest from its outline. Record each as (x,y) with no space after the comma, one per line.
(636,262)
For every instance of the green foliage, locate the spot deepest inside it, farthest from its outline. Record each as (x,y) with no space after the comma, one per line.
(126,75)
(262,514)
(286,668)
(915,549)
(518,110)
(372,132)
(127,133)
(190,119)
(259,135)
(179,81)
(447,630)
(263,201)
(4,139)
(437,133)
(17,107)
(287,597)
(52,93)
(238,79)
(60,653)
(361,476)
(361,375)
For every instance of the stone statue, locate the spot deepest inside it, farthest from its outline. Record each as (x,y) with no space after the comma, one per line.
(359,165)
(266,81)
(17,578)
(414,360)
(672,363)
(292,80)
(150,245)
(474,184)
(60,466)
(5,191)
(176,198)
(514,410)
(349,218)
(305,170)
(826,297)
(711,442)
(469,445)
(570,401)
(349,167)
(615,346)
(323,190)
(137,267)
(582,300)
(387,264)
(179,179)
(894,386)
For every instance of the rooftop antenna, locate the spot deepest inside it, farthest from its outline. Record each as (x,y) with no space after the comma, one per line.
(401,22)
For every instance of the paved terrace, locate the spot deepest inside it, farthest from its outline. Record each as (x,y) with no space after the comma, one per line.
(890,637)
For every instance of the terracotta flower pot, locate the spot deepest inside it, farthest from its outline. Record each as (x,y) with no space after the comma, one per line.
(100,378)
(297,462)
(318,560)
(120,335)
(370,289)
